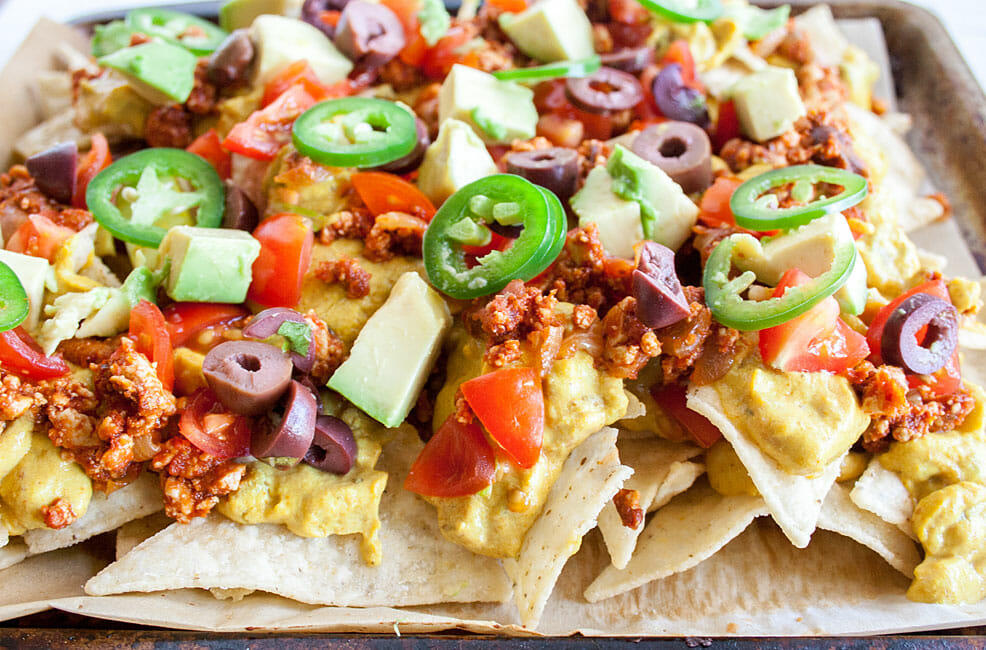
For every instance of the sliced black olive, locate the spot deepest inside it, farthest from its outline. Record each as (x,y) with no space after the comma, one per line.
(240,212)
(899,344)
(369,33)
(312,11)
(248,377)
(660,299)
(630,59)
(231,60)
(54,171)
(604,91)
(284,440)
(678,101)
(681,149)
(333,448)
(556,169)
(411,161)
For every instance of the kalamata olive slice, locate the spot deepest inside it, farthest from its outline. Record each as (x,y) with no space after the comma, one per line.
(240,213)
(411,161)
(54,171)
(604,91)
(660,299)
(313,10)
(283,440)
(369,32)
(248,377)
(899,344)
(629,59)
(333,448)
(269,321)
(231,60)
(678,101)
(681,149)
(556,169)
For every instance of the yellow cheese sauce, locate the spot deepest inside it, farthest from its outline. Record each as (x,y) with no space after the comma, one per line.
(802,420)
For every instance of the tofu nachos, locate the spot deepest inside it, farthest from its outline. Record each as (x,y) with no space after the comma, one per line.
(366,305)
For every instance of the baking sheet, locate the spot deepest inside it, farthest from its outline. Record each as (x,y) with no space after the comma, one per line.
(832,587)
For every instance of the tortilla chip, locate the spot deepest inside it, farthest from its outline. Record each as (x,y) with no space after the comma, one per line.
(690,529)
(105,513)
(588,481)
(419,566)
(12,553)
(881,492)
(841,515)
(4,536)
(794,501)
(680,477)
(132,533)
(972,334)
(652,460)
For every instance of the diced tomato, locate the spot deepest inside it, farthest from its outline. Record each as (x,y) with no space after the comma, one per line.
(510,404)
(210,427)
(679,52)
(39,236)
(22,356)
(186,319)
(814,341)
(150,332)
(456,462)
(714,207)
(298,73)
(96,160)
(383,192)
(440,58)
(945,381)
(673,399)
(509,6)
(727,125)
(285,253)
(628,12)
(209,146)
(263,134)
(407,12)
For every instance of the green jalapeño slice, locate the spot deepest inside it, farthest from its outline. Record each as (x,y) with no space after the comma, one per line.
(464,220)
(355,132)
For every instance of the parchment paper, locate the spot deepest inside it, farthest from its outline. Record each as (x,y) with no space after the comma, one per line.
(758,584)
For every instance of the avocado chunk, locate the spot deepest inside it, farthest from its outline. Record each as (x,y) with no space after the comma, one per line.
(550,30)
(666,212)
(499,111)
(394,352)
(767,102)
(31,271)
(159,69)
(457,157)
(853,295)
(209,264)
(617,220)
(109,38)
(281,41)
(236,14)
(809,248)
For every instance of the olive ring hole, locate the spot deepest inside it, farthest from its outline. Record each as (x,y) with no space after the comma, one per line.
(248,362)
(673,148)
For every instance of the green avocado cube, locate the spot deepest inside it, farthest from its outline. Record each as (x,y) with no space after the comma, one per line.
(395,351)
(208,264)
(161,68)
(456,158)
(281,41)
(550,30)
(767,102)
(236,14)
(617,220)
(498,111)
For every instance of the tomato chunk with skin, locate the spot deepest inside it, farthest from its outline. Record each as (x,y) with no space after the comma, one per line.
(286,243)
(21,355)
(94,161)
(39,236)
(814,341)
(263,134)
(673,399)
(456,462)
(209,146)
(383,192)
(186,319)
(510,405)
(210,427)
(150,332)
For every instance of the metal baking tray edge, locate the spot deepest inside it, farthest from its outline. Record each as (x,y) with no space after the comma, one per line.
(934,85)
